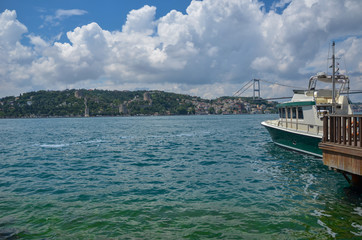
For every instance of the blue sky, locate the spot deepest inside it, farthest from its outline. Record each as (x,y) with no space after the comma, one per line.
(109,14)
(206,48)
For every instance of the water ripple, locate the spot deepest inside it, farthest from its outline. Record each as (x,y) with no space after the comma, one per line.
(196,177)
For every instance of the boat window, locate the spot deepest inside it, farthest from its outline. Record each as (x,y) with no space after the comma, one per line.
(300,113)
(283,112)
(294,112)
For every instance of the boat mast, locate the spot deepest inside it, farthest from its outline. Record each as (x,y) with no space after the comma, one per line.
(333,80)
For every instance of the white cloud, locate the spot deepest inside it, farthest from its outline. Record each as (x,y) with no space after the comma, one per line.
(11,29)
(62,13)
(14,57)
(209,51)
(59,15)
(82,59)
(140,21)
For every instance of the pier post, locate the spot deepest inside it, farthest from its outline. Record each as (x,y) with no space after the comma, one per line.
(356,181)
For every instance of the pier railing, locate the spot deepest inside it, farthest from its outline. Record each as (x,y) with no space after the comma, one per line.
(342,145)
(345,130)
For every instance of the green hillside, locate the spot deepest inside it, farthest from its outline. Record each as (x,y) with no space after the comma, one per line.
(72,103)
(82,102)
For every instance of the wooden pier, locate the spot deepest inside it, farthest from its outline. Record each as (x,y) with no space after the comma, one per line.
(342,145)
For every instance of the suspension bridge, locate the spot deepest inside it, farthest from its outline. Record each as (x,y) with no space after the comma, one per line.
(255,84)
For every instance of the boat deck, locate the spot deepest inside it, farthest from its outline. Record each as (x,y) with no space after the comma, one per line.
(297,127)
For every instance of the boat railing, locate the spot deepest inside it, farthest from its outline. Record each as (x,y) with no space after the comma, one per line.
(343,130)
(299,126)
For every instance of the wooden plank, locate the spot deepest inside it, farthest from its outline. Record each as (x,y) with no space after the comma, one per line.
(325,128)
(342,162)
(331,129)
(360,132)
(338,129)
(334,129)
(355,131)
(349,131)
(349,150)
(344,127)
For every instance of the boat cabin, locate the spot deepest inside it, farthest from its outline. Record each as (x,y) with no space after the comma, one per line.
(308,107)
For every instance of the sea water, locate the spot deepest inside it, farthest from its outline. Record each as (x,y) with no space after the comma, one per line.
(177,177)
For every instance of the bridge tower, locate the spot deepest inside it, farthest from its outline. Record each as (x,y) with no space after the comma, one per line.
(256,88)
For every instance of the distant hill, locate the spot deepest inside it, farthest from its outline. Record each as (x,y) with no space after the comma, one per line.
(82,102)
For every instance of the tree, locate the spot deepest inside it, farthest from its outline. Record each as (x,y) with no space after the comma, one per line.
(181,110)
(211,110)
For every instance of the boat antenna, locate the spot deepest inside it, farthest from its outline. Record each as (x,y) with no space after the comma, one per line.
(329,48)
(345,67)
(333,80)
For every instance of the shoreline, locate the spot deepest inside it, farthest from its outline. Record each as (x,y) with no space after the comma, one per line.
(121,116)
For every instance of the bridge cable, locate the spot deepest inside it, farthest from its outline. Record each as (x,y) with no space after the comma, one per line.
(236,93)
(249,84)
(284,85)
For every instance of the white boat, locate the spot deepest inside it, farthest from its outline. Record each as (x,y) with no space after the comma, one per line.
(300,123)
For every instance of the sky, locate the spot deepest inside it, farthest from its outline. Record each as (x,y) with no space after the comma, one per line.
(208,48)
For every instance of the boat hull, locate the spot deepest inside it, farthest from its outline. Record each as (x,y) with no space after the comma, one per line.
(295,140)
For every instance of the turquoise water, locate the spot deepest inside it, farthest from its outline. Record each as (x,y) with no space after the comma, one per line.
(192,177)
